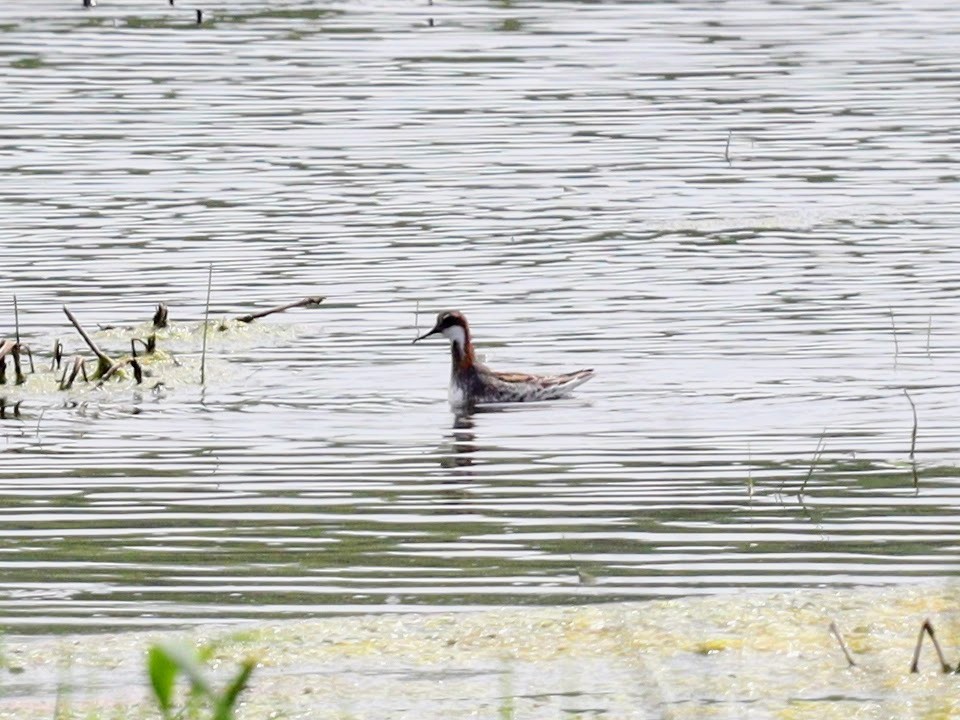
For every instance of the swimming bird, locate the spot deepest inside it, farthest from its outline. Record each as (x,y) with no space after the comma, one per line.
(472,382)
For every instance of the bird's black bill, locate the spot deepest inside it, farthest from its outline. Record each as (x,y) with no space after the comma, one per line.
(434,331)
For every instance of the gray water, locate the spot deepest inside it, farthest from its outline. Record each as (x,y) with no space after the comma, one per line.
(742,214)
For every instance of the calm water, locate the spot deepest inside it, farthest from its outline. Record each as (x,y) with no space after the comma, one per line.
(725,208)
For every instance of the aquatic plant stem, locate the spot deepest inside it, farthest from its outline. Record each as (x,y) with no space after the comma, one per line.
(311,301)
(896,342)
(843,645)
(927,627)
(16,319)
(821,444)
(913,440)
(103,360)
(206,322)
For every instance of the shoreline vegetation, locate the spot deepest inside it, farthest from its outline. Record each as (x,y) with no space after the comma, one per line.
(806,653)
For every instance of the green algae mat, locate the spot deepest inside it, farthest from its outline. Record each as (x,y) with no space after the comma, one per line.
(728,656)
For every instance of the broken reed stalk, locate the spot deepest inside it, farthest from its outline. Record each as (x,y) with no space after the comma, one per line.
(843,645)
(16,319)
(149,345)
(821,444)
(17,369)
(161,317)
(29,352)
(118,366)
(927,627)
(103,360)
(206,323)
(913,440)
(57,355)
(12,348)
(312,301)
(71,371)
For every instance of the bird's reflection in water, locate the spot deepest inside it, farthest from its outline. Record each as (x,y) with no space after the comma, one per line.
(459,445)
(458,451)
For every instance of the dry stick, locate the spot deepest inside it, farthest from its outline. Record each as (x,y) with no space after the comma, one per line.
(113,370)
(67,382)
(29,352)
(18,370)
(39,418)
(913,440)
(206,322)
(16,318)
(305,302)
(103,360)
(927,627)
(821,444)
(896,343)
(161,316)
(57,355)
(726,150)
(843,646)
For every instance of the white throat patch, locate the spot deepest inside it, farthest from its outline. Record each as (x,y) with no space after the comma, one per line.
(455,334)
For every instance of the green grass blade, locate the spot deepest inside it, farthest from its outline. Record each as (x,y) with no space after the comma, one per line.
(228,700)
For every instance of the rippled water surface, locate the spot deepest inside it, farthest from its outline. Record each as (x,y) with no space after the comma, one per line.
(742,214)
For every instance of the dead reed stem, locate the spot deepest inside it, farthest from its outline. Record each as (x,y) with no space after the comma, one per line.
(913,440)
(843,645)
(16,319)
(103,360)
(206,323)
(927,627)
(312,301)
(821,444)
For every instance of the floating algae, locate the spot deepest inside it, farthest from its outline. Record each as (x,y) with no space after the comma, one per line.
(156,353)
(731,656)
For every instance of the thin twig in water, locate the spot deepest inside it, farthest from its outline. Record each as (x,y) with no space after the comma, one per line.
(913,440)
(57,355)
(821,444)
(843,646)
(16,319)
(39,419)
(726,150)
(929,330)
(416,320)
(103,360)
(927,627)
(896,342)
(206,323)
(311,301)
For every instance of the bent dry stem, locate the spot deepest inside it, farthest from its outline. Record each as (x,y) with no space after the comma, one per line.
(927,628)
(913,441)
(104,362)
(311,301)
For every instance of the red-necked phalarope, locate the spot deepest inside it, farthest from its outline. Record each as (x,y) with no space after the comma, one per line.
(472,382)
